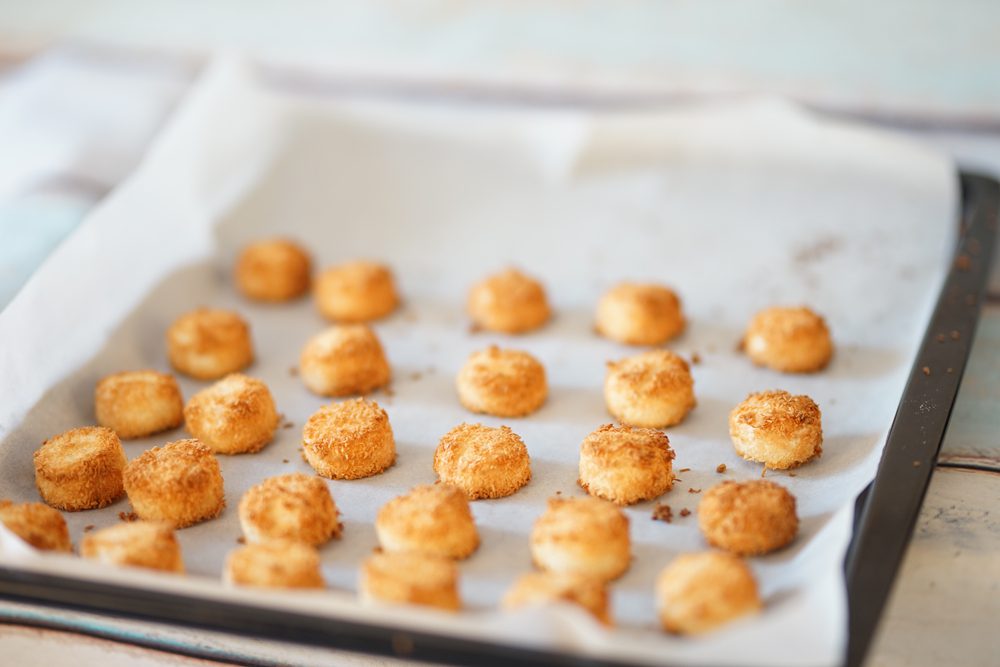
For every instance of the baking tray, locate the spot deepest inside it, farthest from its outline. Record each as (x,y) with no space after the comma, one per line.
(269,623)
(886,511)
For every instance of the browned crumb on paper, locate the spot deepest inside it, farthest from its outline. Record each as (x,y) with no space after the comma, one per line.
(695,358)
(89,527)
(684,470)
(662,512)
(721,468)
(741,345)
(128,516)
(474,328)
(284,460)
(293,371)
(693,490)
(792,474)
(241,540)
(685,512)
(416,376)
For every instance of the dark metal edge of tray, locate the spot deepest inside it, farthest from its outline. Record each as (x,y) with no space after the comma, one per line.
(886,513)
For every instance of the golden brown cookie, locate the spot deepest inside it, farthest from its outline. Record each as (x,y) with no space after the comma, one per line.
(344,360)
(699,592)
(273,270)
(39,525)
(208,343)
(653,389)
(178,484)
(748,518)
(356,292)
(146,544)
(80,469)
(407,577)
(509,302)
(790,340)
(135,404)
(274,564)
(625,464)
(640,314)
(541,588)
(349,440)
(504,383)
(434,519)
(484,462)
(777,429)
(293,507)
(587,536)
(236,415)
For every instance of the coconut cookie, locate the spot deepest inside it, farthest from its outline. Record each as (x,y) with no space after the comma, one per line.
(179,484)
(356,292)
(344,360)
(273,270)
(484,462)
(699,592)
(653,389)
(542,588)
(349,440)
(274,564)
(39,525)
(790,340)
(625,464)
(410,578)
(208,343)
(640,314)
(135,404)
(293,507)
(509,302)
(504,383)
(777,429)
(80,469)
(748,518)
(434,519)
(587,536)
(236,415)
(145,544)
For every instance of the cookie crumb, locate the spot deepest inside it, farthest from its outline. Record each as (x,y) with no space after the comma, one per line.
(241,540)
(721,468)
(284,460)
(763,472)
(695,358)
(89,527)
(474,328)
(963,263)
(662,512)
(950,370)
(693,490)
(940,338)
(684,470)
(128,516)
(926,370)
(955,335)
(685,512)
(293,371)
(916,463)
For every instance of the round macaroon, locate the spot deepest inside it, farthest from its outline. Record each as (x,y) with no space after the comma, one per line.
(504,383)
(349,440)
(699,592)
(273,270)
(344,360)
(748,518)
(640,314)
(356,292)
(39,525)
(407,577)
(294,507)
(208,343)
(135,404)
(144,544)
(545,588)
(483,461)
(587,536)
(80,469)
(777,429)
(653,389)
(790,340)
(625,464)
(509,302)
(179,484)
(236,415)
(433,519)
(274,564)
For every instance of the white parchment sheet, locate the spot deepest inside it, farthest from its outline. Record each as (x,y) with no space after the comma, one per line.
(737,207)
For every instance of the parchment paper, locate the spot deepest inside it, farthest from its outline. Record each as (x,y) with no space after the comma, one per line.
(738,207)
